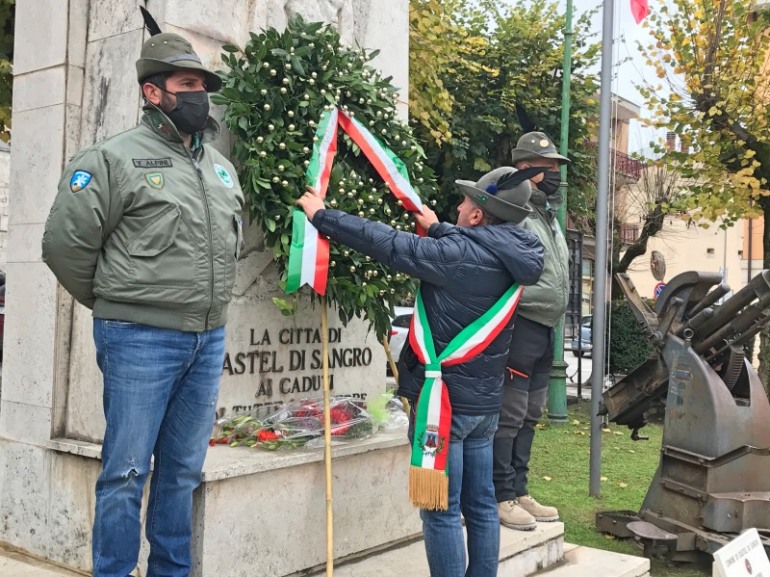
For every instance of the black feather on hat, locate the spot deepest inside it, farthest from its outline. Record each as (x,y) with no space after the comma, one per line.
(149,21)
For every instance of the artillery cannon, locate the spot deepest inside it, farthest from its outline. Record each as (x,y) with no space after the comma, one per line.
(713,480)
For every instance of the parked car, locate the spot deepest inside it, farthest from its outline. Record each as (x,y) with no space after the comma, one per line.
(398,334)
(582,346)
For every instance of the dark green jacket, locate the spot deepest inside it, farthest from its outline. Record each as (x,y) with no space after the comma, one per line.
(143,229)
(545,301)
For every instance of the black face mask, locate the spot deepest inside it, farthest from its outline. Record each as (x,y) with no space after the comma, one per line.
(191,112)
(550,183)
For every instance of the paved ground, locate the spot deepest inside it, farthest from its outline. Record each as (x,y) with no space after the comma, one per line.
(577,367)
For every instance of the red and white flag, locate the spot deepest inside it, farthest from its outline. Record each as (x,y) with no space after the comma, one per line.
(640,9)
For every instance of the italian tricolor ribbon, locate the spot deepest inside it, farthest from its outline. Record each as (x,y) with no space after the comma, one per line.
(428,480)
(309,251)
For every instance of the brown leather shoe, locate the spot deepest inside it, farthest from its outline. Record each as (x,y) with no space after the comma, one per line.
(514,517)
(539,512)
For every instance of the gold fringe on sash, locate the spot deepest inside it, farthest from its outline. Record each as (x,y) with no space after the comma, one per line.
(429,489)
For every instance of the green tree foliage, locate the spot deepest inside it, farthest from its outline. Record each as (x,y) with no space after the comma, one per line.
(430,52)
(627,345)
(509,56)
(710,58)
(275,89)
(7,13)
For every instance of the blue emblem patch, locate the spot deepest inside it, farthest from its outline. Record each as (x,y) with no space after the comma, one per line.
(224,176)
(79,180)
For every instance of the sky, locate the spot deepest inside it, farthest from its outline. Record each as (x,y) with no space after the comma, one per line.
(631,72)
(629,67)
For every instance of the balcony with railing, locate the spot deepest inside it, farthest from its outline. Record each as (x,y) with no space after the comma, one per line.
(629,233)
(626,166)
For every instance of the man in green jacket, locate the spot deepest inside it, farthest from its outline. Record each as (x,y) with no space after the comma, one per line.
(145,231)
(531,353)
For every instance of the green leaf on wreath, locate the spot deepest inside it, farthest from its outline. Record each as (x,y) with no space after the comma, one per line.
(287,308)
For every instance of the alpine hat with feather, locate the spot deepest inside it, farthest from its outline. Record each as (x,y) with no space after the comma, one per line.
(502,192)
(168,52)
(536,146)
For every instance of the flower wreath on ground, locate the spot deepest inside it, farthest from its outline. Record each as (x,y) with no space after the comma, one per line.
(275,90)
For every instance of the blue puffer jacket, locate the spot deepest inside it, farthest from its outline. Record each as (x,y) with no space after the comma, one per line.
(464,271)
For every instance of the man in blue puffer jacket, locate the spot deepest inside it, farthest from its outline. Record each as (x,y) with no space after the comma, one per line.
(464,270)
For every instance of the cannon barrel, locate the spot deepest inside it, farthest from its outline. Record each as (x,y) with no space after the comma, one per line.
(699,319)
(729,310)
(710,299)
(744,338)
(741,323)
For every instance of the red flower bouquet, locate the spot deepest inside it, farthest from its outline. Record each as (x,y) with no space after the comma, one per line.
(296,424)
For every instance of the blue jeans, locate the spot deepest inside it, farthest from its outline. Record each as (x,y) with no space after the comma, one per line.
(160,393)
(472,493)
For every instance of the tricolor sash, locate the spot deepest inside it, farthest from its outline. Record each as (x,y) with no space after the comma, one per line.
(428,480)
(309,251)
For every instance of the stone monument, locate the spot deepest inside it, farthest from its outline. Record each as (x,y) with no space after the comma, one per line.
(256,513)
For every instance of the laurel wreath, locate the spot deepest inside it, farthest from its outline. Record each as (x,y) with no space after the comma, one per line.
(274,90)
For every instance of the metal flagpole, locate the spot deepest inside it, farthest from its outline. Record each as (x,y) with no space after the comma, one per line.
(598,333)
(557,386)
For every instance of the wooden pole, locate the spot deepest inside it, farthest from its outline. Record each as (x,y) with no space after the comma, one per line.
(327,441)
(389,354)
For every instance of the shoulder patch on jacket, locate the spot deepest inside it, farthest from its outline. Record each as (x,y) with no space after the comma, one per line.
(224,176)
(152,162)
(80,179)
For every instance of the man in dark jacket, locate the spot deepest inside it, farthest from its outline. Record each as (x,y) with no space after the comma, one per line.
(464,269)
(531,356)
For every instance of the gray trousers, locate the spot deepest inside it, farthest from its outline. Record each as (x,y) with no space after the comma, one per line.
(525,390)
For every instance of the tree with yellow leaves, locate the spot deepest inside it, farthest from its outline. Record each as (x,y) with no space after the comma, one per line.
(430,52)
(712,66)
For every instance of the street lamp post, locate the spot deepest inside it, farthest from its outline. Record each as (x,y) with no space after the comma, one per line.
(557,387)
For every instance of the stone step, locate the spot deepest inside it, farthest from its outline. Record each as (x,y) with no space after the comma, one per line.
(16,564)
(522,553)
(582,561)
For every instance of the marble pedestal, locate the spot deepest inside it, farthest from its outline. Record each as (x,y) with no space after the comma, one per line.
(256,514)
(264,515)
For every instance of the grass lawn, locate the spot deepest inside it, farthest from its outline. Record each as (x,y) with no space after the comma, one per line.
(559,472)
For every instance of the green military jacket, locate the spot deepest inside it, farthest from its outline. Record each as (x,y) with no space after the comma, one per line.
(144,229)
(546,301)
